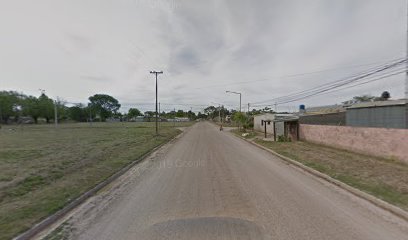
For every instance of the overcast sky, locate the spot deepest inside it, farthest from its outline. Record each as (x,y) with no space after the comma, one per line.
(77,48)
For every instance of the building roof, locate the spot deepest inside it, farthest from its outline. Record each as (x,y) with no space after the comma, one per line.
(264,114)
(378,104)
(325,109)
(286,118)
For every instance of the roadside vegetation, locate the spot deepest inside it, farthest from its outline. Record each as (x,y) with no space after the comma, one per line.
(384,178)
(43,168)
(19,108)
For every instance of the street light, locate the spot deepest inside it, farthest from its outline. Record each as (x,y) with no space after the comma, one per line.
(156,73)
(239,98)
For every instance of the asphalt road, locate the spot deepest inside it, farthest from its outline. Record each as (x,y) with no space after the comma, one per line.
(212,185)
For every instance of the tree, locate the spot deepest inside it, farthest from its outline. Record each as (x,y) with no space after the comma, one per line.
(201,115)
(360,99)
(368,98)
(46,107)
(63,111)
(10,105)
(78,113)
(134,112)
(210,111)
(385,96)
(31,107)
(104,105)
(241,118)
(180,114)
(191,115)
(149,115)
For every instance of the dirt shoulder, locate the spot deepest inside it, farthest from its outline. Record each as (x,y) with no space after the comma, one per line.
(384,178)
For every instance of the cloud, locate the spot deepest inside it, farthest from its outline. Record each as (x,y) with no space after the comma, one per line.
(96,78)
(203,47)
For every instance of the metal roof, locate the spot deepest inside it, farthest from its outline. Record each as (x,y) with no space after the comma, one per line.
(378,104)
(286,118)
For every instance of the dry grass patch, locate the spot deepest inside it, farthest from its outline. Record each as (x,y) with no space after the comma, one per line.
(43,168)
(384,178)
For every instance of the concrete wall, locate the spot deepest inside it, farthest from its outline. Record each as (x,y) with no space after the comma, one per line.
(381,142)
(280,128)
(259,127)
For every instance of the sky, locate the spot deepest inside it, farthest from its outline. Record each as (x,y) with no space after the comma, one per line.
(264,49)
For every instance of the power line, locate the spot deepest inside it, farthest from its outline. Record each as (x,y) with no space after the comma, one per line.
(338,83)
(368,72)
(346,87)
(291,75)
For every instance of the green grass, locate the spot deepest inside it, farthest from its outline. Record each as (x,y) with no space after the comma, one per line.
(42,168)
(384,178)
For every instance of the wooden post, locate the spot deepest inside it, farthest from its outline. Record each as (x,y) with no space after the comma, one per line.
(274,132)
(265,129)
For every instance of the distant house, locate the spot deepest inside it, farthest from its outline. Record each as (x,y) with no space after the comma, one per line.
(285,125)
(177,119)
(381,114)
(183,119)
(263,117)
(113,120)
(138,119)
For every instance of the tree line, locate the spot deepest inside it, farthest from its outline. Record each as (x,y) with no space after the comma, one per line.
(16,107)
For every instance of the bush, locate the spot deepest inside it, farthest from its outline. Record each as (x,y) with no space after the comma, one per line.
(282,138)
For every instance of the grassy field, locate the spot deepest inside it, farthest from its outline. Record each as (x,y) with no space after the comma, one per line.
(43,168)
(384,178)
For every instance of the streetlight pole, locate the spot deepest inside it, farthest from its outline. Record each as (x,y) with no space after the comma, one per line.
(156,73)
(240,95)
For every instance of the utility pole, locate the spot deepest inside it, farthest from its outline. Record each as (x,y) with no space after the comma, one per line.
(248,108)
(174,119)
(156,73)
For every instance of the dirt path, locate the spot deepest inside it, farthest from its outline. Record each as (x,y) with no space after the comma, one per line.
(211,185)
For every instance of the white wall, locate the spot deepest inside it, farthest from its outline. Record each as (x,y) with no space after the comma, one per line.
(259,127)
